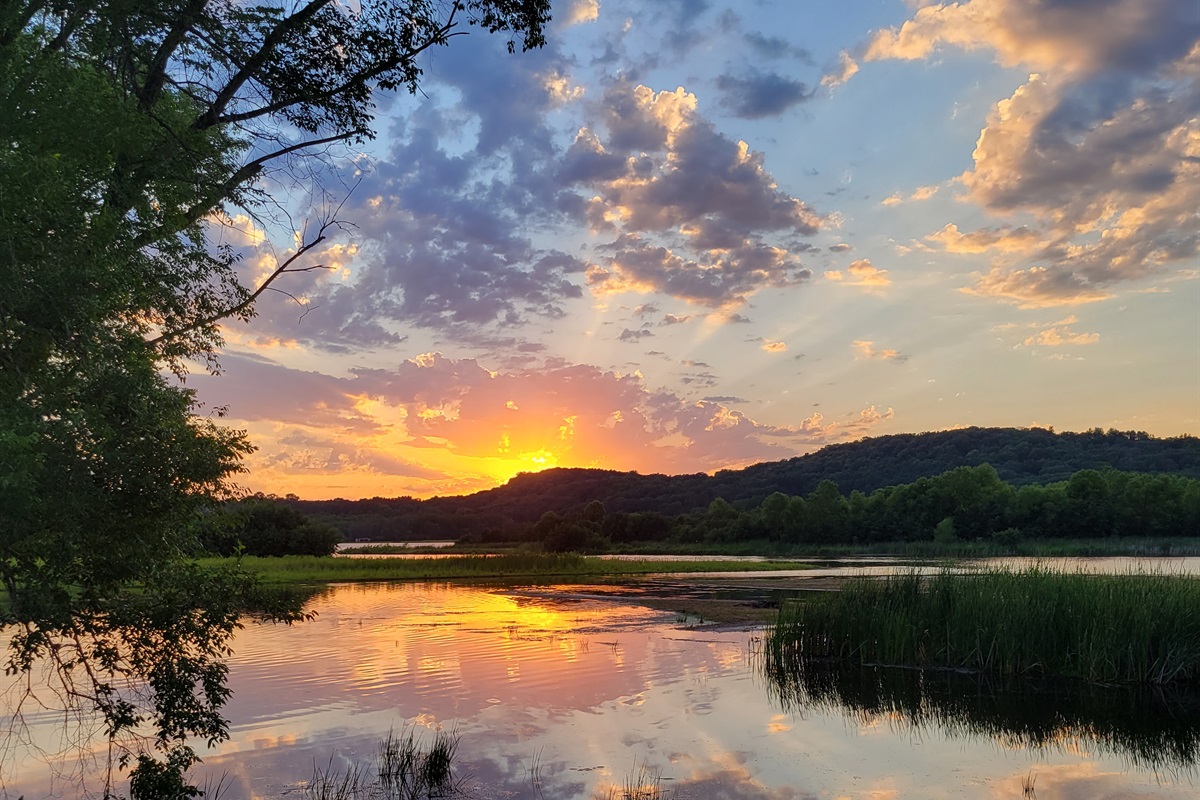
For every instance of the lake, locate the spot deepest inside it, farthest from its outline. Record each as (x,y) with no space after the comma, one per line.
(563,692)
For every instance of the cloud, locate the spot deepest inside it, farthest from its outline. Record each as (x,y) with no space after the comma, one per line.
(1059,336)
(692,208)
(845,69)
(756,95)
(581,11)
(775,47)
(866,349)
(1095,156)
(771,346)
(629,335)
(861,273)
(919,194)
(1067,35)
(1003,239)
(674,319)
(1036,287)
(637,265)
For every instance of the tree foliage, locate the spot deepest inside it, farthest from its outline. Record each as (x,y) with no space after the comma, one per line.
(127,128)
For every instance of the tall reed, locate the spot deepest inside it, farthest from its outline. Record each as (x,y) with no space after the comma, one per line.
(1101,628)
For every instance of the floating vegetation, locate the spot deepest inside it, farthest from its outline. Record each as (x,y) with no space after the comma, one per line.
(1141,628)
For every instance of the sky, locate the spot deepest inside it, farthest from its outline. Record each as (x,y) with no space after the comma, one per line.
(692,235)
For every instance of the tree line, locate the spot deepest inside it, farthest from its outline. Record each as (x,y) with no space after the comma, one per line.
(1021,457)
(966,503)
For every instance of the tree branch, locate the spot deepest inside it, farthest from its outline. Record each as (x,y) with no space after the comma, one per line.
(212,116)
(284,267)
(439,37)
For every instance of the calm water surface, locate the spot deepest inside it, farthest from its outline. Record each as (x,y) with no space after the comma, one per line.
(559,692)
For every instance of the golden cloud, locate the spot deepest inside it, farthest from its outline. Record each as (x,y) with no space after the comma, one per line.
(861,273)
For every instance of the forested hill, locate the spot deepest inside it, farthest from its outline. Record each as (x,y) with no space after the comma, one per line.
(1020,456)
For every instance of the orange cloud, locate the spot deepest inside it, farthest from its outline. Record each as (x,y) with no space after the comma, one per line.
(866,349)
(861,273)
(1058,336)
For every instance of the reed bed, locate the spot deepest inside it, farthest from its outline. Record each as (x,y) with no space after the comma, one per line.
(316,569)
(1142,628)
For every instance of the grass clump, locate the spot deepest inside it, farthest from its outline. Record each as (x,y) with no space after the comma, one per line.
(643,783)
(405,771)
(1141,628)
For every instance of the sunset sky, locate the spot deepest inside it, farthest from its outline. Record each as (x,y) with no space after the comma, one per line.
(690,235)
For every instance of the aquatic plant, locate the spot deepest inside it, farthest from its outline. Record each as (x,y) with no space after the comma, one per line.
(642,783)
(405,771)
(1142,628)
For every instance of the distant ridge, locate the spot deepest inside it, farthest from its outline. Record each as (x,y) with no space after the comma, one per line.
(1020,456)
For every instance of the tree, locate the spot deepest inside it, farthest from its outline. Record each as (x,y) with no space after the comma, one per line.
(127,128)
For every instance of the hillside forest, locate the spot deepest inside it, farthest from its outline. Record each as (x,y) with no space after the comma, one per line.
(998,484)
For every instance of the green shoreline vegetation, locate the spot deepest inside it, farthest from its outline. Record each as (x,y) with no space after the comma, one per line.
(320,569)
(1142,628)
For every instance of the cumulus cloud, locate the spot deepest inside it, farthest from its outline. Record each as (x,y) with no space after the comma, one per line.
(772,346)
(845,69)
(1037,287)
(692,208)
(861,273)
(755,94)
(1078,38)
(580,11)
(1003,239)
(1095,156)
(866,349)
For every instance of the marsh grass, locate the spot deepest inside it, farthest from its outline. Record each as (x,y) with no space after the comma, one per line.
(1141,628)
(642,783)
(316,569)
(405,770)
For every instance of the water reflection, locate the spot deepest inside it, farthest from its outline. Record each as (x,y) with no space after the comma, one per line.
(1149,728)
(561,693)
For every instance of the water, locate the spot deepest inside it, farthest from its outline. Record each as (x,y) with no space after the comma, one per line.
(561,692)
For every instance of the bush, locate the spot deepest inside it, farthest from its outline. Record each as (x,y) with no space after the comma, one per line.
(261,527)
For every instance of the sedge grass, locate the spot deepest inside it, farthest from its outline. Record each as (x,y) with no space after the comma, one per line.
(1142,628)
(318,569)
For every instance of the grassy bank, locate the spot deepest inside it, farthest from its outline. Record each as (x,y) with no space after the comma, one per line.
(1103,628)
(314,569)
(957,548)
